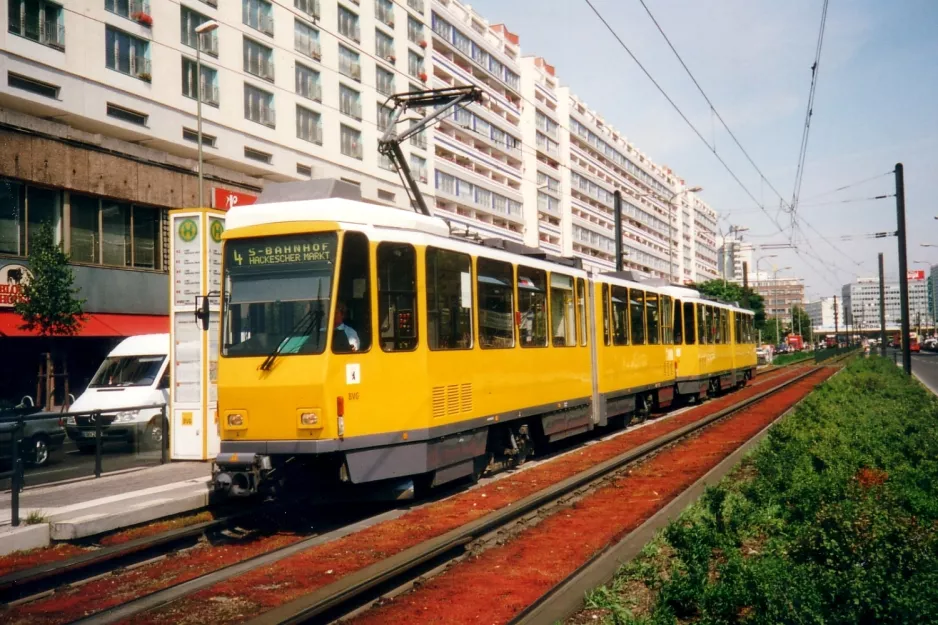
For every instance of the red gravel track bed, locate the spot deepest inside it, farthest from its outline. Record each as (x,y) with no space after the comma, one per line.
(515,575)
(257,591)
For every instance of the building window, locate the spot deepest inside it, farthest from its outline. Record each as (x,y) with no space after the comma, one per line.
(258,59)
(414,64)
(384,116)
(418,167)
(449,299)
(22,211)
(351,141)
(348,24)
(35,86)
(258,15)
(415,31)
(127,54)
(384,11)
(257,155)
(259,106)
(307,83)
(43,22)
(306,40)
(384,162)
(416,5)
(384,81)
(127,115)
(310,7)
(130,9)
(384,45)
(189,134)
(208,85)
(308,125)
(349,63)
(304,170)
(189,20)
(350,102)
(116,234)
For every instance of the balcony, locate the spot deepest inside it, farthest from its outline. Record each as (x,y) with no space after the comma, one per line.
(47,32)
(140,68)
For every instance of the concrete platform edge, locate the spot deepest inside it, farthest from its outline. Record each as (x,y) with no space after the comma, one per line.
(24,538)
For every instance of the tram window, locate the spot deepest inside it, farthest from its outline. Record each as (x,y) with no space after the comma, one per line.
(725,326)
(620,315)
(738,328)
(354,296)
(532,304)
(718,325)
(652,319)
(397,297)
(449,299)
(688,314)
(637,314)
(494,281)
(562,311)
(606,314)
(712,326)
(667,326)
(702,325)
(678,323)
(581,309)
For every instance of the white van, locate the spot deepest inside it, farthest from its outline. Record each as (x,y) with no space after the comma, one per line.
(135,373)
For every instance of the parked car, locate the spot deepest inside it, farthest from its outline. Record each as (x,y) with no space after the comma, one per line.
(135,373)
(40,437)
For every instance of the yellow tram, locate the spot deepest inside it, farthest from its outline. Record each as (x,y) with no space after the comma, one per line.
(365,345)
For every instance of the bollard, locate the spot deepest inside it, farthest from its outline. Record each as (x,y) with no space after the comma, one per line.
(96,416)
(17,484)
(164,443)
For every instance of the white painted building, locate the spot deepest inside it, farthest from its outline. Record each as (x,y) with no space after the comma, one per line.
(823,317)
(294,90)
(732,254)
(478,152)
(861,303)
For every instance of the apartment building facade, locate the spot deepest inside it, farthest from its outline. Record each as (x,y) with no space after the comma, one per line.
(826,314)
(731,256)
(779,294)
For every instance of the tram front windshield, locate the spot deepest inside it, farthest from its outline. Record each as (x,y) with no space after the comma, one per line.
(277,294)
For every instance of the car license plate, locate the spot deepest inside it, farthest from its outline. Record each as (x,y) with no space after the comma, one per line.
(88,434)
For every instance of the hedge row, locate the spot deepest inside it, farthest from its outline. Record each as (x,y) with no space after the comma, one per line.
(833,519)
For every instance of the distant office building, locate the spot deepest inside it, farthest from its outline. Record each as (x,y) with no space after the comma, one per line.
(861,302)
(731,256)
(823,316)
(780,294)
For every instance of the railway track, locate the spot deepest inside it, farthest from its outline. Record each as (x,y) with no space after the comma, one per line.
(354,593)
(43,581)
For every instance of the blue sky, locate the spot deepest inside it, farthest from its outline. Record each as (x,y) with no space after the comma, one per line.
(876,105)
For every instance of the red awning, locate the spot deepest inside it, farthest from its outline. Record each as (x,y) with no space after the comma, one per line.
(95,324)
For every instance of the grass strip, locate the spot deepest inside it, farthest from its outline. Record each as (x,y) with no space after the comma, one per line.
(832,519)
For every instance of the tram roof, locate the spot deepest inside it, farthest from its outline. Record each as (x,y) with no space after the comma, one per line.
(335,209)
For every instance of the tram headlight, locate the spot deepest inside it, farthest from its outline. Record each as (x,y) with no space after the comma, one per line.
(309,418)
(235,420)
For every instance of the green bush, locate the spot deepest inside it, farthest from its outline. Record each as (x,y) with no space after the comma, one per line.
(833,519)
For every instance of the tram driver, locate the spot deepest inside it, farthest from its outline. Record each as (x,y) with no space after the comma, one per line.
(345,338)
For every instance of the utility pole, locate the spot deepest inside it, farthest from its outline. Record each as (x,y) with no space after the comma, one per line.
(836,321)
(903,269)
(617,209)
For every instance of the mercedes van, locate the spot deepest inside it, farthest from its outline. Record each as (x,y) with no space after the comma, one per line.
(135,373)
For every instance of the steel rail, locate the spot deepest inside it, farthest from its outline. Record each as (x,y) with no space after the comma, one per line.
(330,599)
(29,581)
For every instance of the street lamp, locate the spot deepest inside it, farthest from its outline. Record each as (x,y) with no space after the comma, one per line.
(201,29)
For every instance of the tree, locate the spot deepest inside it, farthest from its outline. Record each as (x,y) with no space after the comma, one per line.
(732,292)
(49,305)
(799,316)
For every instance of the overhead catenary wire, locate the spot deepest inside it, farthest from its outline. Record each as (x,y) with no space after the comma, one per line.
(851,185)
(803,150)
(681,114)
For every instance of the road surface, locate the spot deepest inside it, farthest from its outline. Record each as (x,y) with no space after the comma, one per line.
(67,463)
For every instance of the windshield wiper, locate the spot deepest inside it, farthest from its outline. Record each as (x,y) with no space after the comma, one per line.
(304,322)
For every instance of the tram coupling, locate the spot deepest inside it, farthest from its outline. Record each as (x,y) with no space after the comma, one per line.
(240,474)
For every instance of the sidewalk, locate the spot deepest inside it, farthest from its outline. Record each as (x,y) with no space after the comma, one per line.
(88,507)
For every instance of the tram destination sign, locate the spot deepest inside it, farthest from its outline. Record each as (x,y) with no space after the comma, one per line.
(291,252)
